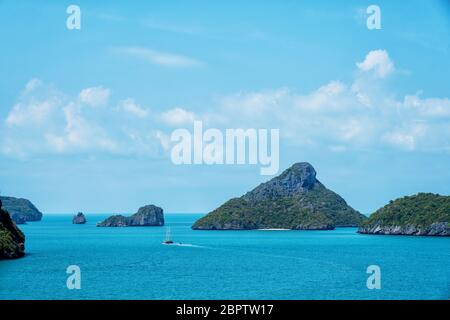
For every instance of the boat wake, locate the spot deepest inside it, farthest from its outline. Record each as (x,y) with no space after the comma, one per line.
(183,245)
(169,242)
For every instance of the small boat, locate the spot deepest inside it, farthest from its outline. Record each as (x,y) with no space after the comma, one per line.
(168,239)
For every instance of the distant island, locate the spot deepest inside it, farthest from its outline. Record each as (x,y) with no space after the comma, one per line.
(293,200)
(79,218)
(21,210)
(424,214)
(11,238)
(149,215)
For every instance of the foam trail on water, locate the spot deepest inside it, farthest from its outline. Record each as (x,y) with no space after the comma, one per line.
(186,245)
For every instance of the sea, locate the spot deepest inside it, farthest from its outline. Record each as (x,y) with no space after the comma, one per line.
(133,263)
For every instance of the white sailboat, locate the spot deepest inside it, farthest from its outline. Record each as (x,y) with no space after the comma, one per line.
(168,239)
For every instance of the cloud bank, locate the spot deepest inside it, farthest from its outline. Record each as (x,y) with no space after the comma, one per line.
(361,115)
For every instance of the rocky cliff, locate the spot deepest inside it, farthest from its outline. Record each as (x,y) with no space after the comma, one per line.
(21,210)
(11,238)
(424,214)
(79,218)
(293,200)
(146,216)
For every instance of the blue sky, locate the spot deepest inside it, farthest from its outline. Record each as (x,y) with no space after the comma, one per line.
(85,114)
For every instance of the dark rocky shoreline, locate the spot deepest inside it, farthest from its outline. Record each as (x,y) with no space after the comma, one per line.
(79,218)
(149,215)
(423,214)
(439,229)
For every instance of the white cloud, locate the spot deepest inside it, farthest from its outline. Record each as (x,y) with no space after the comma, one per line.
(379,62)
(337,116)
(130,106)
(431,107)
(401,140)
(79,134)
(343,116)
(327,98)
(46,121)
(34,109)
(32,85)
(177,116)
(406,138)
(95,96)
(160,58)
(35,112)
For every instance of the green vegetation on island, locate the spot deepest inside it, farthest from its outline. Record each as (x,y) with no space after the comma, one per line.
(293,200)
(421,214)
(21,210)
(11,238)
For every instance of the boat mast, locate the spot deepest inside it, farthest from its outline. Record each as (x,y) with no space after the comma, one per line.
(168,234)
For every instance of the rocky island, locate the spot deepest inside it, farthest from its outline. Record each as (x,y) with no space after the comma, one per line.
(79,218)
(424,214)
(21,210)
(146,216)
(293,200)
(11,238)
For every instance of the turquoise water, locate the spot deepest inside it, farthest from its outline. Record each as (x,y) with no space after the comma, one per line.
(131,263)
